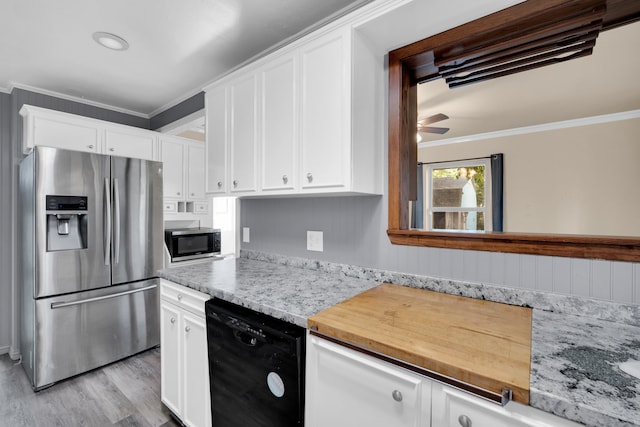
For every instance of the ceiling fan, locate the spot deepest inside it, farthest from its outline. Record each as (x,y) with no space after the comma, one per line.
(423,124)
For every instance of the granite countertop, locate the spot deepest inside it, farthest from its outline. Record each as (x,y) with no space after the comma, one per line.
(288,293)
(574,358)
(575,369)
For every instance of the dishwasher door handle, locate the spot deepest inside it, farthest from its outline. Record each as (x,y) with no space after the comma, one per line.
(245,338)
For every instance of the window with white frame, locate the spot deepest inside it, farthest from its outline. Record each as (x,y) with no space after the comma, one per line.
(458,195)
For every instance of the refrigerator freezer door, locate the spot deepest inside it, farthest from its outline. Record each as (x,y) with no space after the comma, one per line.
(70,245)
(82,331)
(136,220)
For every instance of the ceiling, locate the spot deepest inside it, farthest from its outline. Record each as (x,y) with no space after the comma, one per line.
(602,83)
(176,46)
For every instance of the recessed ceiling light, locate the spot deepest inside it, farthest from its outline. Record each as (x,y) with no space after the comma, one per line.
(110,41)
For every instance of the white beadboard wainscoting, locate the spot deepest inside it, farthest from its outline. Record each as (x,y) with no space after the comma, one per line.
(355,233)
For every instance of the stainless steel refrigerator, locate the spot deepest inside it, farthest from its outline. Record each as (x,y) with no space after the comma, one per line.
(91,243)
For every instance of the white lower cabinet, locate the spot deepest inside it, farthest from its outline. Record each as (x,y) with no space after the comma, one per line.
(183,354)
(345,387)
(455,408)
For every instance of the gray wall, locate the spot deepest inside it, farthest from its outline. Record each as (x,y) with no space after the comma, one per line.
(5,222)
(21,97)
(10,156)
(178,111)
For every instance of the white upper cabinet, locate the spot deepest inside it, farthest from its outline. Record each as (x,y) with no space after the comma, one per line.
(195,171)
(57,132)
(51,128)
(279,112)
(130,143)
(244,134)
(308,121)
(184,177)
(216,134)
(325,115)
(173,160)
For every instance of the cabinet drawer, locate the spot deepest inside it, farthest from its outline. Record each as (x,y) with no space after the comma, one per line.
(453,408)
(201,207)
(183,297)
(170,206)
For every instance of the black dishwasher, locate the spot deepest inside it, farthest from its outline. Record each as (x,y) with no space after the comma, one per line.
(256,368)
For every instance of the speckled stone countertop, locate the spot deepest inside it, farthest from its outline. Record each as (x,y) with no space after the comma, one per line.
(575,369)
(287,293)
(577,344)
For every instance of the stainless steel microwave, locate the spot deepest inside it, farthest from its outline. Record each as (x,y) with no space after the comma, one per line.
(192,243)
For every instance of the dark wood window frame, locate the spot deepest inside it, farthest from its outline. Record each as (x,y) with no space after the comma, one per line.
(416,62)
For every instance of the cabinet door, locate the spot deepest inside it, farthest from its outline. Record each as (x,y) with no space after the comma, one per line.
(216,136)
(455,408)
(170,357)
(243,142)
(279,115)
(137,145)
(325,120)
(347,388)
(197,401)
(70,136)
(173,165)
(195,171)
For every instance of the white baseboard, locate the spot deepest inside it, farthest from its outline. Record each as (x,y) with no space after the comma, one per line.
(14,353)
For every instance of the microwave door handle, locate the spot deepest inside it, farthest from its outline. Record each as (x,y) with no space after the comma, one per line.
(116,221)
(107,222)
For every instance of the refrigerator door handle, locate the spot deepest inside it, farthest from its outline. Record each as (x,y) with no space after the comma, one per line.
(116,221)
(107,232)
(86,300)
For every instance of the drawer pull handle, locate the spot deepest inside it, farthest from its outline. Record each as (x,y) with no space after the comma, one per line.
(397,395)
(173,320)
(464,421)
(285,179)
(219,184)
(112,149)
(180,296)
(235,183)
(90,146)
(187,328)
(309,177)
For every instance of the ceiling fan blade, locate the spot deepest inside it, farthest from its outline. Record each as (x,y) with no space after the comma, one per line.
(432,129)
(432,119)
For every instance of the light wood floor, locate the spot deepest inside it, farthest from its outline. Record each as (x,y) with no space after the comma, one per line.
(125,393)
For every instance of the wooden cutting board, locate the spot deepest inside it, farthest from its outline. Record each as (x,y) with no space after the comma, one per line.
(482,343)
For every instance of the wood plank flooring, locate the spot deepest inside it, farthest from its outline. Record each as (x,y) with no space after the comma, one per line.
(125,393)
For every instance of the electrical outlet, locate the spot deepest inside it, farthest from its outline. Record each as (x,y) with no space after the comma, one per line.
(245,235)
(314,241)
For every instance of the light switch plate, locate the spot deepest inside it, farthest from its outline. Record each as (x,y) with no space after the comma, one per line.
(314,241)
(245,235)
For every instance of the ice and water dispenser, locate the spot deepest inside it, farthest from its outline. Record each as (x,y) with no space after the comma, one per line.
(66,223)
